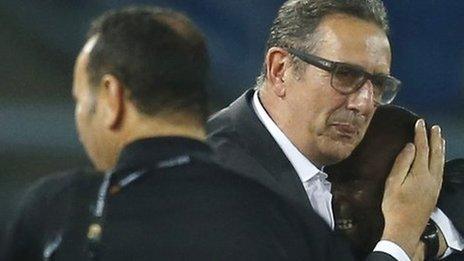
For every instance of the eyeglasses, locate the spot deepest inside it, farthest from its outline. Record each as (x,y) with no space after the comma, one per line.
(348,78)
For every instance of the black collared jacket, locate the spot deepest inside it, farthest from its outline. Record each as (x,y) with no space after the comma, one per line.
(185,206)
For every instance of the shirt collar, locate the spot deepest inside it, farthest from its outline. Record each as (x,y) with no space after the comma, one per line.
(148,151)
(303,166)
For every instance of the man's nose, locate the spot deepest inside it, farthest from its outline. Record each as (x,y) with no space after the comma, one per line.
(362,101)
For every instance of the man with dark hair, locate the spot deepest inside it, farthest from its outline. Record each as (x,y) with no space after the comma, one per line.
(326,69)
(358,181)
(139,87)
(179,70)
(158,65)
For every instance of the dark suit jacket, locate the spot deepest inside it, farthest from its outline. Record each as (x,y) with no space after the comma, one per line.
(190,209)
(244,144)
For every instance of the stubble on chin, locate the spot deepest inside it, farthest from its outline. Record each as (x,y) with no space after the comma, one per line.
(335,150)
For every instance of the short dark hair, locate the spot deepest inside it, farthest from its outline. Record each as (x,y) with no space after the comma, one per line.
(297,20)
(158,54)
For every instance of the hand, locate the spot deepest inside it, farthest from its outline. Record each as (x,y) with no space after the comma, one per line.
(412,188)
(419,255)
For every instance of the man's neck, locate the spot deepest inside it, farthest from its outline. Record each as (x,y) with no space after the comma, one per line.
(280,116)
(142,127)
(163,127)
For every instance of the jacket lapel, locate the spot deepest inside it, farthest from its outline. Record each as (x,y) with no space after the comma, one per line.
(259,143)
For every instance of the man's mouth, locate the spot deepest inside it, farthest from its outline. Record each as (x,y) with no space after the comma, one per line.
(345,129)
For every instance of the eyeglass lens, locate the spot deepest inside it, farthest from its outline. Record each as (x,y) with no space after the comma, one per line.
(348,79)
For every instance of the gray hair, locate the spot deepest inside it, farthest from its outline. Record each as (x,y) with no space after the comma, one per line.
(297,20)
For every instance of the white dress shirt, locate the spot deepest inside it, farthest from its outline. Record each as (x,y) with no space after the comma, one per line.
(318,190)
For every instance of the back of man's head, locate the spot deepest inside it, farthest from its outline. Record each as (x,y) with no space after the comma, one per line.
(158,55)
(142,73)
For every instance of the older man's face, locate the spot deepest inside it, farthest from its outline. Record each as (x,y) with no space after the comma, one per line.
(325,124)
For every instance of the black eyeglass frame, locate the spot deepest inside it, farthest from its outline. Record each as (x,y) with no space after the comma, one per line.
(331,66)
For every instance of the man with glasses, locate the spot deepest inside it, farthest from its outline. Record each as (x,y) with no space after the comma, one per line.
(139,88)
(326,69)
(348,78)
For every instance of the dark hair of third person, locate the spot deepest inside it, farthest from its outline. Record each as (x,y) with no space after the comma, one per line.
(159,56)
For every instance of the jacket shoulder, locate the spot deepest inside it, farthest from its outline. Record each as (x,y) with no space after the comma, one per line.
(226,118)
(43,205)
(57,183)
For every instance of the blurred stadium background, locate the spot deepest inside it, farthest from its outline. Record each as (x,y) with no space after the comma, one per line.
(40,39)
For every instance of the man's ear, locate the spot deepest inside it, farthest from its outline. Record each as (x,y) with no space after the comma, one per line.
(112,101)
(277,69)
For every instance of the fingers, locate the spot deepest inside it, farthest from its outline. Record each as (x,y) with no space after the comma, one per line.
(437,152)
(409,200)
(402,164)
(422,146)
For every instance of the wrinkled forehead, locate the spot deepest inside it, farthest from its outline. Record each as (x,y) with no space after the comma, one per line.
(349,39)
